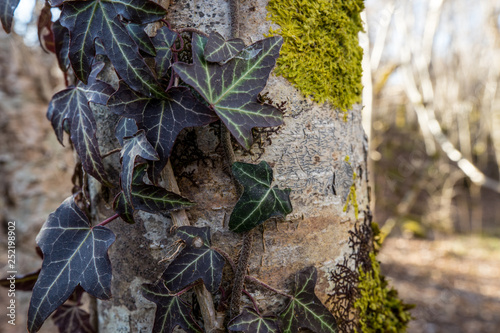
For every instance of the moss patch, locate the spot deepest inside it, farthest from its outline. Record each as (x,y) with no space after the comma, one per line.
(321,55)
(380,309)
(361,299)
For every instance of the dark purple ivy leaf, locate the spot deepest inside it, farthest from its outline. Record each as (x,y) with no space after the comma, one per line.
(147,198)
(249,321)
(72,319)
(123,208)
(72,105)
(171,311)
(74,254)
(100,19)
(7,8)
(163,42)
(196,261)
(162,119)
(61,39)
(220,50)
(23,282)
(141,38)
(134,147)
(188,234)
(125,127)
(232,89)
(305,310)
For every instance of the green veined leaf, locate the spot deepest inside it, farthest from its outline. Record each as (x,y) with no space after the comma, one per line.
(72,105)
(141,38)
(232,89)
(259,200)
(149,198)
(171,311)
(196,261)
(249,321)
(305,309)
(74,254)
(99,19)
(163,41)
(162,119)
(220,50)
(134,147)
(7,8)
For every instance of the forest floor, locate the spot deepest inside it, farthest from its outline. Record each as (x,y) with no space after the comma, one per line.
(454,282)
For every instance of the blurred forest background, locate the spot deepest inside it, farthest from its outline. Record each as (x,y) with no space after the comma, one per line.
(432,113)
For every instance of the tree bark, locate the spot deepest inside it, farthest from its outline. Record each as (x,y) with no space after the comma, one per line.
(305,154)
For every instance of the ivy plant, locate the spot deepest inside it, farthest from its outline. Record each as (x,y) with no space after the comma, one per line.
(158,96)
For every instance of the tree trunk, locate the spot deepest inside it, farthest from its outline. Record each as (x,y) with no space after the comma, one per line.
(308,154)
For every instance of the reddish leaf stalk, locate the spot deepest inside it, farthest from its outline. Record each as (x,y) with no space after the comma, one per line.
(109,219)
(253,301)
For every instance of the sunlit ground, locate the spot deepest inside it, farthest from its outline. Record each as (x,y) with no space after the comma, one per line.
(454,282)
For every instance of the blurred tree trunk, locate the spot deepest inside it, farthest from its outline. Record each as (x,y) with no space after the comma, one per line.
(306,151)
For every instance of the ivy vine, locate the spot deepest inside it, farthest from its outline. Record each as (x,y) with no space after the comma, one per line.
(158,96)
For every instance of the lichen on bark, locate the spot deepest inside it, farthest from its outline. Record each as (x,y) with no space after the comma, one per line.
(321,55)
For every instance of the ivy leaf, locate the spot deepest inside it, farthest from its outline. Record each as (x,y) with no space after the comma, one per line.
(232,89)
(99,19)
(305,309)
(147,198)
(249,321)
(171,311)
(188,234)
(72,319)
(72,105)
(133,147)
(23,282)
(196,261)
(259,200)
(125,127)
(141,38)
(61,40)
(7,8)
(220,50)
(163,41)
(74,254)
(162,119)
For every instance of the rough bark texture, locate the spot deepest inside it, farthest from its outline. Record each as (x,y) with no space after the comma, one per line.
(305,153)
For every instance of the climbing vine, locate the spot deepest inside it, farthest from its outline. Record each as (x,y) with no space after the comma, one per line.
(158,96)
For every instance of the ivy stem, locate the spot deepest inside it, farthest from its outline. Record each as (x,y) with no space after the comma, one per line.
(199,32)
(117,150)
(253,300)
(109,219)
(239,275)
(265,285)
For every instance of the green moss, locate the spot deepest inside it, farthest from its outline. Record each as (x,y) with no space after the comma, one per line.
(321,55)
(379,308)
(351,198)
